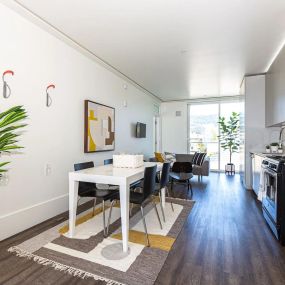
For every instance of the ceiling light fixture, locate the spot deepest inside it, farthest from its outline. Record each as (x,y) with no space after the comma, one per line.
(275,55)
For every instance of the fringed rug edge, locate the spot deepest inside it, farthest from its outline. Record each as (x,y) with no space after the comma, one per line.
(59,266)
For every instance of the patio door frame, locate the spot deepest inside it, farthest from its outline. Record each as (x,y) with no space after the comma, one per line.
(156,134)
(208,101)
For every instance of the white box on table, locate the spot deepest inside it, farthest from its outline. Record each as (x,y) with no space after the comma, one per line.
(128,160)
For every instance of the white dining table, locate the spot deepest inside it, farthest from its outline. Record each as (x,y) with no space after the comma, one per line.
(107,174)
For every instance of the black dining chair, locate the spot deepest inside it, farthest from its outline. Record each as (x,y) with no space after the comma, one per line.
(133,185)
(87,189)
(181,173)
(163,183)
(108,186)
(141,198)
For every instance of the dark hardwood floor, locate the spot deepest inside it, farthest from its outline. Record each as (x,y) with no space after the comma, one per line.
(224,241)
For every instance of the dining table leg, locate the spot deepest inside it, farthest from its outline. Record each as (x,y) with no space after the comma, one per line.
(124,204)
(73,196)
(120,250)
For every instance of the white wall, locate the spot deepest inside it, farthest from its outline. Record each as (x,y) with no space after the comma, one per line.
(174,129)
(55,134)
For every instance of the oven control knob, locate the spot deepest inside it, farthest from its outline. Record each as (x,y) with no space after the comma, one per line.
(273,166)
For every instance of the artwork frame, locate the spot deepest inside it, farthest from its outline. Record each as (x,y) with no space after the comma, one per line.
(101,135)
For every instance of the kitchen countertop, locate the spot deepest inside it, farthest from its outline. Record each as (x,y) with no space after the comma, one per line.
(267,154)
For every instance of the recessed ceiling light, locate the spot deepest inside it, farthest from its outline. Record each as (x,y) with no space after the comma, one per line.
(183,51)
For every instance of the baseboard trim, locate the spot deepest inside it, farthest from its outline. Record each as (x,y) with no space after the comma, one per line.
(20,220)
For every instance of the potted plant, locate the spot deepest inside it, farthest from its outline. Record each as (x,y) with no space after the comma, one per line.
(230,138)
(267,148)
(8,132)
(274,147)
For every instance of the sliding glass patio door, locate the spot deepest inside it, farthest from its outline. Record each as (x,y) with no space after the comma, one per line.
(203,131)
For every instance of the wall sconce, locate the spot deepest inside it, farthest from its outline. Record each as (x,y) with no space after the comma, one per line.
(6,87)
(49,100)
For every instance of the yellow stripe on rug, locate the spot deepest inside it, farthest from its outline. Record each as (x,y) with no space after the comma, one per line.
(85,218)
(156,241)
(81,220)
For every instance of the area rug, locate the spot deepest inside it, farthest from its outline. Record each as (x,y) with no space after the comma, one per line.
(81,256)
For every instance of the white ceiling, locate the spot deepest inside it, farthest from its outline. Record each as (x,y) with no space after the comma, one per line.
(175,49)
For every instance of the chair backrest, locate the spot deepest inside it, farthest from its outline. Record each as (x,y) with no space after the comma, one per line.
(108,161)
(182,167)
(149,181)
(83,165)
(165,174)
(83,186)
(152,159)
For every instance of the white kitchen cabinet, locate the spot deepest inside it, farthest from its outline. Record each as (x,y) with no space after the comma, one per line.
(275,92)
(254,134)
(256,161)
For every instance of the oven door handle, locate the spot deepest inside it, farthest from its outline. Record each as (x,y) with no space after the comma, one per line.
(271,172)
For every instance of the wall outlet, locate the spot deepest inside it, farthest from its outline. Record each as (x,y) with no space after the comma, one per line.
(47,169)
(178,114)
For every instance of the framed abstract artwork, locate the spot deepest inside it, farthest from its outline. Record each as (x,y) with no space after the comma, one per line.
(99,127)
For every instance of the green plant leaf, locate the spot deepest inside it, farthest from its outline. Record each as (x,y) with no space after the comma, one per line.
(11,147)
(11,110)
(229,133)
(8,126)
(3,163)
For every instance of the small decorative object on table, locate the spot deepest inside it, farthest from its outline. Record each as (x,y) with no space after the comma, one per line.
(280,149)
(274,147)
(267,148)
(128,160)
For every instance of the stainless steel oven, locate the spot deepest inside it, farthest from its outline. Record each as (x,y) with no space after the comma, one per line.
(273,188)
(270,187)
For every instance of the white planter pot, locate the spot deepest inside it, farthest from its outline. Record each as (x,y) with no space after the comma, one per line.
(274,149)
(230,168)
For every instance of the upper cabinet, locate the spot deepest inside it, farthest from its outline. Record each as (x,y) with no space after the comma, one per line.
(253,133)
(275,92)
